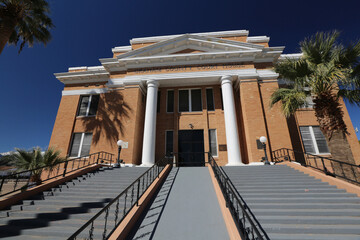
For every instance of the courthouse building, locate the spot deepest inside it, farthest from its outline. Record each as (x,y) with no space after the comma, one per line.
(187,93)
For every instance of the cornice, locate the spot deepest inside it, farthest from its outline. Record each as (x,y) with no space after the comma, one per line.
(290,56)
(121,49)
(258,39)
(89,76)
(235,33)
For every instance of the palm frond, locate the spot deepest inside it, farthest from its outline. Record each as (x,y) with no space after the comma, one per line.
(291,99)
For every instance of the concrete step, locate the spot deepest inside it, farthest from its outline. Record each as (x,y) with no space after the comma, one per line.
(304,206)
(279,236)
(315,219)
(298,190)
(303,200)
(311,229)
(297,195)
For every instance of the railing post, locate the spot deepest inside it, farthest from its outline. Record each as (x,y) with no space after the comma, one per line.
(98,158)
(2,183)
(65,167)
(138,193)
(325,169)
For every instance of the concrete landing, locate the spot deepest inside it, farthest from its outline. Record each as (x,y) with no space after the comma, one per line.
(185,208)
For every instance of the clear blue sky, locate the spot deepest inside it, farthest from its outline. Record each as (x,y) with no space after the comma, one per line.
(86,30)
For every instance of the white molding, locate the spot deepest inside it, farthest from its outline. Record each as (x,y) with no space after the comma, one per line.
(84,68)
(258,39)
(290,56)
(234,33)
(84,91)
(121,49)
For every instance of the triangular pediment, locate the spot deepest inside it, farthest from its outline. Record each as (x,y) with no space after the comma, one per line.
(190,43)
(188,50)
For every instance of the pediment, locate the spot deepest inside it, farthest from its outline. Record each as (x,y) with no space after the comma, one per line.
(188,44)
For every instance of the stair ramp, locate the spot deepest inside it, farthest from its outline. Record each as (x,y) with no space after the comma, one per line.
(291,205)
(59,212)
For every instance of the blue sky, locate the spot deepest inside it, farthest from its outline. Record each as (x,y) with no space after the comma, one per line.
(86,30)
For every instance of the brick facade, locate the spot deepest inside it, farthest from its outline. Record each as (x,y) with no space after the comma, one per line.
(121,111)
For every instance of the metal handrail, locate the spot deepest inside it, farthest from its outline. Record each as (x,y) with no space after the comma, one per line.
(54,171)
(329,166)
(138,188)
(246,222)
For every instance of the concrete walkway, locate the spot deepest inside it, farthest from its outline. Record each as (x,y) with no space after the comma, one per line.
(185,208)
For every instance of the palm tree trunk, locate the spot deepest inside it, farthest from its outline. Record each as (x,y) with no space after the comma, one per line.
(7,26)
(329,114)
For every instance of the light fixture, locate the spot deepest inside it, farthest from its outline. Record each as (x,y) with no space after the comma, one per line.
(119,143)
(263,141)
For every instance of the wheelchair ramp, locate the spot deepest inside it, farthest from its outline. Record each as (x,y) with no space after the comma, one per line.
(186,207)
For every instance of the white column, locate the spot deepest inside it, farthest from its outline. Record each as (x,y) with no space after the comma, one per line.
(148,151)
(232,136)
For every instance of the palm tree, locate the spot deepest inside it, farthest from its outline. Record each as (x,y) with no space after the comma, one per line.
(326,72)
(35,159)
(24,20)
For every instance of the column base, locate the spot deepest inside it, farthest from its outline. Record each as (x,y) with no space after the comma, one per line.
(146,165)
(235,164)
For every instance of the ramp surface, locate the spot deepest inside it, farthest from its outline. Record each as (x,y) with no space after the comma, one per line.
(185,208)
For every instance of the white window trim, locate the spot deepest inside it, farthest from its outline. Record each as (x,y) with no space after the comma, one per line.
(189,90)
(167,91)
(212,98)
(312,134)
(166,139)
(217,147)
(81,144)
(88,106)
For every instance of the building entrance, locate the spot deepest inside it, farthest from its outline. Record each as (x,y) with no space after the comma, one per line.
(191,148)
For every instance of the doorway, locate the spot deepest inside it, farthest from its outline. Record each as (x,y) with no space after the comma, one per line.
(191,148)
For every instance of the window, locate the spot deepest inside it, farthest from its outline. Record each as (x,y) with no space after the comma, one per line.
(222,104)
(190,100)
(88,105)
(213,142)
(158,102)
(210,99)
(169,142)
(313,140)
(80,145)
(170,101)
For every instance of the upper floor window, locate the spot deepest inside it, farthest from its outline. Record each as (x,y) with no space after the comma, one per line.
(170,101)
(210,99)
(80,144)
(88,105)
(190,100)
(313,140)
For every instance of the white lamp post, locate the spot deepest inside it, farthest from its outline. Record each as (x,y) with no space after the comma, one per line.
(263,141)
(119,143)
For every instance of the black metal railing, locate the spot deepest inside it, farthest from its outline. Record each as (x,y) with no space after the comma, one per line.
(246,222)
(104,223)
(329,166)
(23,180)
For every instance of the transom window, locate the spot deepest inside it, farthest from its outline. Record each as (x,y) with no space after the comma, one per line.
(190,100)
(80,144)
(313,139)
(88,105)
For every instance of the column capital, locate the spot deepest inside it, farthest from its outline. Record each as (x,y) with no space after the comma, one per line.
(226,79)
(152,83)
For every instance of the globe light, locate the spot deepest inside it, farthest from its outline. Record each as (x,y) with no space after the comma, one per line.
(120,142)
(263,139)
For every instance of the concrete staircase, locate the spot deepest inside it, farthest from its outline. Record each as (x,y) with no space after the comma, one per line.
(291,205)
(58,213)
